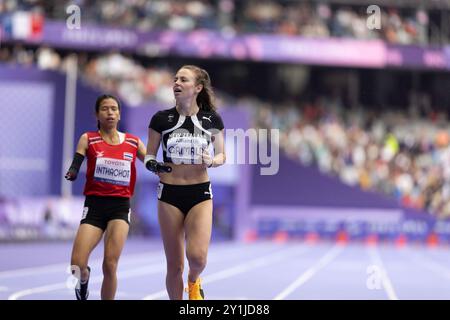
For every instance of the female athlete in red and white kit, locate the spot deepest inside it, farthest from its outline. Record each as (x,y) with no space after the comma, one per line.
(110,180)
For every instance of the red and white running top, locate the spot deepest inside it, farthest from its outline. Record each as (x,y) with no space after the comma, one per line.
(111,170)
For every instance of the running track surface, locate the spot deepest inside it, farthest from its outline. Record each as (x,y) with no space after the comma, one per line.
(260,270)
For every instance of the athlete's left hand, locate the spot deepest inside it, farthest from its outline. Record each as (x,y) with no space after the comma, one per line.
(206,158)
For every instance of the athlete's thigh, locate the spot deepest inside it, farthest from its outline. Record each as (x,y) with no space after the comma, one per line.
(115,236)
(198,225)
(171,221)
(87,238)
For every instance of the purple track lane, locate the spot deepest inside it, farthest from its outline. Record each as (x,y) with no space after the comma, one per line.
(261,270)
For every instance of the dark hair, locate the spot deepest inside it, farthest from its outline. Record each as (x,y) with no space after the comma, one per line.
(99,101)
(206,97)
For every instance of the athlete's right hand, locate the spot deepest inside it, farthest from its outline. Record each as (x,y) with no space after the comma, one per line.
(157,167)
(162,168)
(70,175)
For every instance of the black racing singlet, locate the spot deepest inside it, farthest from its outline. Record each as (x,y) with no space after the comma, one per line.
(185,137)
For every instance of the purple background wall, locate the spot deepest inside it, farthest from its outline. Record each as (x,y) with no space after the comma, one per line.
(296,185)
(18,76)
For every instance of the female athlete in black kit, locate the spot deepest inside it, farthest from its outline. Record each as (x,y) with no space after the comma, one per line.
(185,196)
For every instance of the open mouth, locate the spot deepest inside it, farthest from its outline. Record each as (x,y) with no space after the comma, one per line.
(177,90)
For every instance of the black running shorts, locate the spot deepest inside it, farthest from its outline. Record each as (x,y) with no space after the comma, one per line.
(184,197)
(98,211)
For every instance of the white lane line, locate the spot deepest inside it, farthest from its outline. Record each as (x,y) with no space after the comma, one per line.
(227,298)
(19,294)
(136,272)
(241,268)
(430,264)
(120,295)
(147,270)
(385,280)
(329,256)
(58,267)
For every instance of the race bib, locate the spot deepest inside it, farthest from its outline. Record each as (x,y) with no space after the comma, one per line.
(187,150)
(113,171)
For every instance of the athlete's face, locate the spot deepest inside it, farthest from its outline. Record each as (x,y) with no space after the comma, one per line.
(184,85)
(108,113)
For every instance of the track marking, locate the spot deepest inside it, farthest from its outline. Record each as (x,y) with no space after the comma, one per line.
(241,268)
(385,280)
(310,272)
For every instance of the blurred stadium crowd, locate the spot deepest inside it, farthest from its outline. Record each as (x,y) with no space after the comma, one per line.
(319,19)
(401,154)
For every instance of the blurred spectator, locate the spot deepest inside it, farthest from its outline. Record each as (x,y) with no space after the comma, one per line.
(48,59)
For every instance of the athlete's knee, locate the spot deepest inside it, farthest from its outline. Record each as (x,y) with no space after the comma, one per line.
(78,262)
(175,268)
(110,265)
(197,259)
